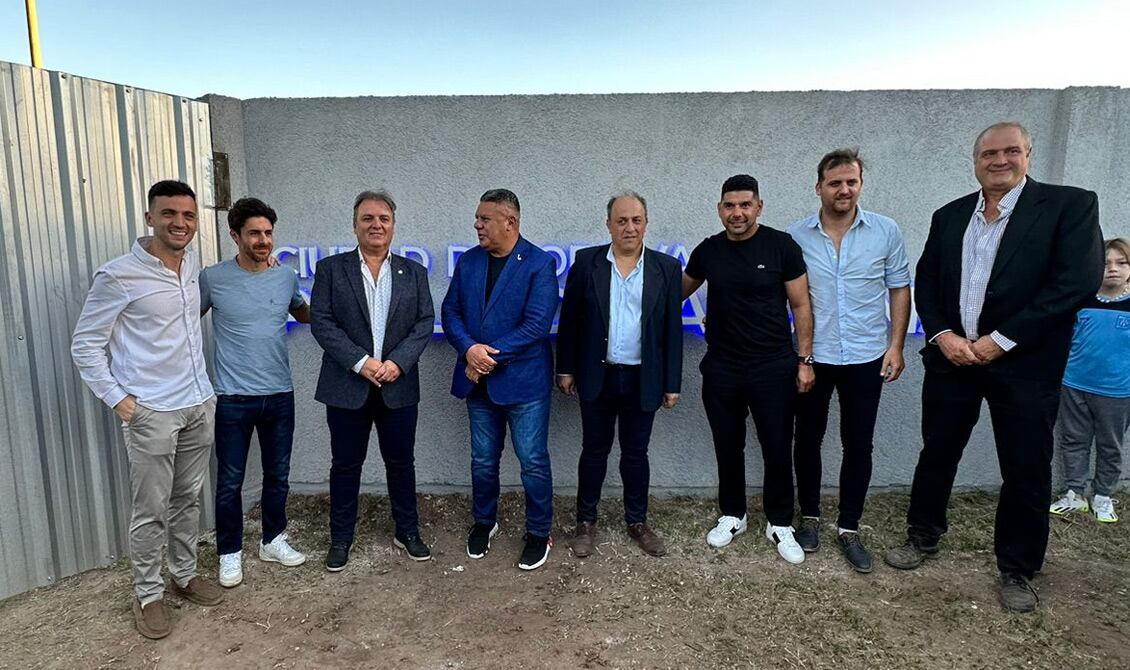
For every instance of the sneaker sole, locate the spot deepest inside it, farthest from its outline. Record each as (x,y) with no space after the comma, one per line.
(267,558)
(1068,512)
(337,569)
(228,584)
(728,540)
(493,532)
(1114,520)
(535,566)
(400,545)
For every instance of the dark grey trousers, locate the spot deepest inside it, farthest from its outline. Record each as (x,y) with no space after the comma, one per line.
(1085,418)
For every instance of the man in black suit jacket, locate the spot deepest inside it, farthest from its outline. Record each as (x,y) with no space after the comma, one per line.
(371,311)
(620,348)
(1002,274)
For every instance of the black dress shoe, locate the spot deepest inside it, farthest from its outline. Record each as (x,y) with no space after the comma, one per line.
(1017,594)
(337,557)
(413,546)
(808,534)
(854,551)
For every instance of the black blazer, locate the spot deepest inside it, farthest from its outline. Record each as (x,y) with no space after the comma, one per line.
(582,333)
(339,321)
(1050,260)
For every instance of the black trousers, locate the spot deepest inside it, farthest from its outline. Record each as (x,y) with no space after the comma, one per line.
(618,403)
(859,388)
(767,391)
(1023,414)
(349,444)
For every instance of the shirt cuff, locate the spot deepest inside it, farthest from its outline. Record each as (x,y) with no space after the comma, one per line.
(115,396)
(360,364)
(1002,341)
(934,339)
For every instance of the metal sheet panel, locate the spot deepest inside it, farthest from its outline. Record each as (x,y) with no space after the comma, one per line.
(77,158)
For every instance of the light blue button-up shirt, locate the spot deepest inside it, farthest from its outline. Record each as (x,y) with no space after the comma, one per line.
(625,314)
(849,288)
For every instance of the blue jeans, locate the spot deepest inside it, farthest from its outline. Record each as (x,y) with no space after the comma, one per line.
(529,433)
(237,416)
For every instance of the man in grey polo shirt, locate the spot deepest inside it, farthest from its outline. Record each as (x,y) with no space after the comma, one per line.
(250,301)
(137,345)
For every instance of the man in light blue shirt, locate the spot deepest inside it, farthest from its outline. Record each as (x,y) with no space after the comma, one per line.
(250,300)
(856,262)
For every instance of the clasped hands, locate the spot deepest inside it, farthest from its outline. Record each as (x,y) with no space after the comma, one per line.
(962,352)
(380,372)
(479,361)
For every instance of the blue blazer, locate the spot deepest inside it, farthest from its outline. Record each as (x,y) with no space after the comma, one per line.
(516,321)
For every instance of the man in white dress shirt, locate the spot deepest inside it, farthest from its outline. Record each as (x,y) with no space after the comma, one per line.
(144,307)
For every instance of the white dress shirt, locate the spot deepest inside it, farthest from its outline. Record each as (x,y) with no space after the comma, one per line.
(378,294)
(978,253)
(149,318)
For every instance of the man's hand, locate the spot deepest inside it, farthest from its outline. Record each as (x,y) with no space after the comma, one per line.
(893,365)
(805,378)
(986,350)
(388,372)
(370,370)
(670,400)
(125,408)
(472,374)
(479,357)
(957,349)
(567,384)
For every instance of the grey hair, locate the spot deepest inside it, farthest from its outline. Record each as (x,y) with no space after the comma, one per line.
(378,196)
(625,194)
(1027,136)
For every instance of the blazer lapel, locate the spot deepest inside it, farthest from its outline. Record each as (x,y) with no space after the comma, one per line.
(396,267)
(1020,223)
(352,260)
(518,256)
(602,284)
(652,282)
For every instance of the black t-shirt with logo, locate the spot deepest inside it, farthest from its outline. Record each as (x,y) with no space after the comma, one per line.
(746,306)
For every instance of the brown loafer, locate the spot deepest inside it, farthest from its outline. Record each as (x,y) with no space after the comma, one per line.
(200,591)
(583,538)
(152,620)
(647,539)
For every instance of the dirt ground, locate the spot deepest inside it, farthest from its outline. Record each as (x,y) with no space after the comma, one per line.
(695,608)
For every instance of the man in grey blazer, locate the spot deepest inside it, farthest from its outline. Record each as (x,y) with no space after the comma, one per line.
(371,312)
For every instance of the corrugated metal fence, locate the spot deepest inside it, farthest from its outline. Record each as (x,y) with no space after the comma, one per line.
(78,157)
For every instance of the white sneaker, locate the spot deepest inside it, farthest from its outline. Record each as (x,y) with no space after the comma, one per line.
(1069,503)
(1104,509)
(727,529)
(231,569)
(787,546)
(280,551)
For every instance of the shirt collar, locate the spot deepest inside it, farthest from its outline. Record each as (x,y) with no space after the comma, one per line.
(1007,203)
(612,258)
(141,253)
(814,220)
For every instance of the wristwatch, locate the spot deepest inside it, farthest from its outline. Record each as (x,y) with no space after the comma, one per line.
(805,360)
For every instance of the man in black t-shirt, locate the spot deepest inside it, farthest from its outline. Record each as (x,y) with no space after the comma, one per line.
(750,365)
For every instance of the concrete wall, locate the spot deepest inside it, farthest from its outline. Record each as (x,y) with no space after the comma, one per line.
(564,155)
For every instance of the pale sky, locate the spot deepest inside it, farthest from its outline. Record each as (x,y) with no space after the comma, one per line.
(287,48)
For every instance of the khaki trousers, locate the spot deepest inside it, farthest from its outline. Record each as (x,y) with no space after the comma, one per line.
(169,453)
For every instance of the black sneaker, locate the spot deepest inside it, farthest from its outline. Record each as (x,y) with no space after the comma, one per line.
(1017,593)
(413,546)
(535,553)
(478,541)
(808,534)
(337,557)
(854,551)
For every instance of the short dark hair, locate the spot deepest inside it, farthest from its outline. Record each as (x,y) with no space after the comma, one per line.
(836,158)
(740,182)
(625,194)
(502,196)
(169,188)
(247,208)
(379,196)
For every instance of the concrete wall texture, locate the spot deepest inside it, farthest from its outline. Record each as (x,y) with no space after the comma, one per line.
(565,155)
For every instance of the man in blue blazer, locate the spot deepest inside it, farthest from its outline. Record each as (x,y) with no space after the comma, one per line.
(371,311)
(497,314)
(620,348)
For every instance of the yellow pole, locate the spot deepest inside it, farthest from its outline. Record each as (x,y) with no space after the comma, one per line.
(33,33)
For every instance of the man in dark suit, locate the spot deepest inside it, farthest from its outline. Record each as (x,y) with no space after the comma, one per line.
(497,315)
(371,311)
(620,348)
(1001,276)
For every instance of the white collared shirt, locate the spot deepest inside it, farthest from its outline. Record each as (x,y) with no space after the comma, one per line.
(978,253)
(149,319)
(378,295)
